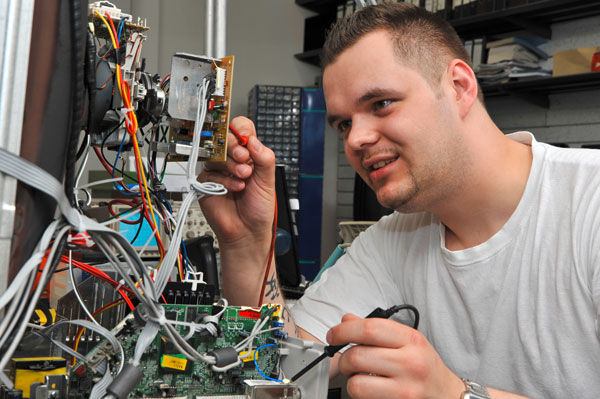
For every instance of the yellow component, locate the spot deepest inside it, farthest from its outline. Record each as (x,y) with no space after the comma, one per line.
(277,313)
(29,370)
(43,319)
(42,316)
(248,357)
(173,362)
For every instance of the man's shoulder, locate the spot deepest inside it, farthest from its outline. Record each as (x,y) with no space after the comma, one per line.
(402,223)
(574,157)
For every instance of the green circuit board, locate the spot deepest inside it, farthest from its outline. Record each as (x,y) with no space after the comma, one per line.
(168,374)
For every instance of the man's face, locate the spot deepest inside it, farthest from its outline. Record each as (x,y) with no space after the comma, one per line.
(397,129)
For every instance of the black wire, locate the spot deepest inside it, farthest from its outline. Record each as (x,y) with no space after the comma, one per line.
(102,145)
(140,224)
(83,146)
(77,90)
(396,309)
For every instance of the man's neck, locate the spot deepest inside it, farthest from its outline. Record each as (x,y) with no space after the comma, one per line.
(490,195)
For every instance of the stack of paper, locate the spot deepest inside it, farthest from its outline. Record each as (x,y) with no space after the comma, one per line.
(511,58)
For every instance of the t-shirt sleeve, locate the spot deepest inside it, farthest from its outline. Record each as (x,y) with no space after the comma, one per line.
(359,282)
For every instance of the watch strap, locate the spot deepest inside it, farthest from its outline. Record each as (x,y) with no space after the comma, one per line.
(475,390)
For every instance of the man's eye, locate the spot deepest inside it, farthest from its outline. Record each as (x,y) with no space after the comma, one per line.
(344,126)
(381,104)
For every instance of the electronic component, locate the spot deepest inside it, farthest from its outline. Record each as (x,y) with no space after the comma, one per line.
(54,386)
(28,371)
(7,393)
(269,389)
(105,7)
(188,72)
(166,373)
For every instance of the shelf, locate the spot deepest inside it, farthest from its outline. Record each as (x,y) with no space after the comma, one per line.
(536,90)
(320,5)
(535,18)
(312,56)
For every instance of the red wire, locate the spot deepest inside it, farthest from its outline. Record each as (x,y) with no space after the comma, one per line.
(109,168)
(271,253)
(124,202)
(145,206)
(113,29)
(242,140)
(164,79)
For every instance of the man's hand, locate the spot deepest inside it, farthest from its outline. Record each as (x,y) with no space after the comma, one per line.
(246,212)
(391,360)
(242,219)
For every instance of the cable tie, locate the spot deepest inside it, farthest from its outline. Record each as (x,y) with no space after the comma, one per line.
(124,111)
(118,287)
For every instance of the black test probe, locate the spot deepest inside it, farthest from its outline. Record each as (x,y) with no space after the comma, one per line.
(331,350)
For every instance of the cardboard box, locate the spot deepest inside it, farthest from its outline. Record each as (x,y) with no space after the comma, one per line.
(571,62)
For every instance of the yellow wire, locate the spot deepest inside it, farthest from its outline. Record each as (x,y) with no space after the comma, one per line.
(78,338)
(135,142)
(139,162)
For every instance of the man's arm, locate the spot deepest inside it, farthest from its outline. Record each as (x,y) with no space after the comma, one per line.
(243,221)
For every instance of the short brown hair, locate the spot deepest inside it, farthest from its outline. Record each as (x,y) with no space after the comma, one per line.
(421,38)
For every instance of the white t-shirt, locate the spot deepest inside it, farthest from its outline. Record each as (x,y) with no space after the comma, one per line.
(518,312)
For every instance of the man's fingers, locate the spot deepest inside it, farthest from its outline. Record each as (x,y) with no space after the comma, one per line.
(362,386)
(375,332)
(369,359)
(230,167)
(264,161)
(407,361)
(243,126)
(231,183)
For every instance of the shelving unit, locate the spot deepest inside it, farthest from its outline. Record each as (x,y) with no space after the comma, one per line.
(536,90)
(535,17)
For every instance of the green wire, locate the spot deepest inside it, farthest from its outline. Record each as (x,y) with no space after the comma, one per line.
(122,213)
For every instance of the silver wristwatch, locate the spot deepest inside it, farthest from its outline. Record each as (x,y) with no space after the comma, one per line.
(474,391)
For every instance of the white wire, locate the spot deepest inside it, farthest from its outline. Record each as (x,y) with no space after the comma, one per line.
(151,236)
(124,216)
(80,173)
(98,182)
(99,389)
(34,298)
(29,266)
(76,292)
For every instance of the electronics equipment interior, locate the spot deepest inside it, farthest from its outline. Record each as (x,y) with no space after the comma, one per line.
(101,314)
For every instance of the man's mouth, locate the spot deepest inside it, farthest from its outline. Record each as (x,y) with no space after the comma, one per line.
(381,164)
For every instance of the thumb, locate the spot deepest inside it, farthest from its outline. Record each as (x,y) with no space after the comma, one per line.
(349,317)
(264,160)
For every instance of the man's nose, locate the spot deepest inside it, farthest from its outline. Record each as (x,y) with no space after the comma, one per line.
(362,133)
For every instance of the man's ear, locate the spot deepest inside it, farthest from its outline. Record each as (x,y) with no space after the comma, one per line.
(464,84)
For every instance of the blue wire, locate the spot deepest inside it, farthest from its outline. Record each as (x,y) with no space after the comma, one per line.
(121,190)
(120,27)
(258,368)
(115,167)
(185,256)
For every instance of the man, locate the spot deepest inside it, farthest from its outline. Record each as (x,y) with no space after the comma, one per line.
(493,238)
